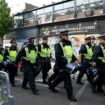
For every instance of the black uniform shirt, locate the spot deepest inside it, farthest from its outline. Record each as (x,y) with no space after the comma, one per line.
(97,53)
(60,59)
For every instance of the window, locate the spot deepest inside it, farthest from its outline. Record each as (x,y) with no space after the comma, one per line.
(69,4)
(48,9)
(40,11)
(18,21)
(58,7)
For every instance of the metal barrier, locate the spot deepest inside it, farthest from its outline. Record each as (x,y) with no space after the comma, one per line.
(5,95)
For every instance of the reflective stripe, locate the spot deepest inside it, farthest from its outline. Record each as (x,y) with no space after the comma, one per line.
(102,58)
(31,56)
(45,52)
(89,52)
(68,52)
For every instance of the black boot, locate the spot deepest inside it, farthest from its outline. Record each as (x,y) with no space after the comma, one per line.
(72,98)
(35,92)
(53,90)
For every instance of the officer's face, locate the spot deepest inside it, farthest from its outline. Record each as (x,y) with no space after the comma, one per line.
(66,37)
(13,44)
(31,42)
(101,41)
(92,41)
(45,41)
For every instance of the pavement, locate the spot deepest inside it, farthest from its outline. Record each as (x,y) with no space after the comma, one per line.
(46,97)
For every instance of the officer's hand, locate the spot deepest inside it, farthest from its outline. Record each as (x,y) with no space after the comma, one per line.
(77,62)
(93,64)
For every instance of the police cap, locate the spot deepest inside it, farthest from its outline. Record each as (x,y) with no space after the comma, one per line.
(93,38)
(13,41)
(102,37)
(88,38)
(65,33)
(32,38)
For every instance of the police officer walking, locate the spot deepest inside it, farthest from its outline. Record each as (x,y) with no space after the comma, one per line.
(28,56)
(85,57)
(44,56)
(10,55)
(99,62)
(64,54)
(1,57)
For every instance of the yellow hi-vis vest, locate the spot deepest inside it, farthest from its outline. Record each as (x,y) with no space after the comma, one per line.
(1,58)
(30,56)
(89,53)
(102,58)
(45,52)
(12,55)
(68,52)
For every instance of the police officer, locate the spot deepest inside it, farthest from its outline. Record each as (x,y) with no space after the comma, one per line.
(1,56)
(44,56)
(85,57)
(99,61)
(28,56)
(10,55)
(64,55)
(93,43)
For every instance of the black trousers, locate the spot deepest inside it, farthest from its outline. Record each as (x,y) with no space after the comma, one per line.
(12,70)
(83,70)
(29,76)
(100,80)
(46,66)
(1,66)
(64,76)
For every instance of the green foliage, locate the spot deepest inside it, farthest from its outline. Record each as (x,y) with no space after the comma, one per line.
(5,18)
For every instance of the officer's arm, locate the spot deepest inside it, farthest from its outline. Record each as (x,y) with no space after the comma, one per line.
(39,50)
(6,54)
(59,54)
(21,54)
(82,51)
(97,52)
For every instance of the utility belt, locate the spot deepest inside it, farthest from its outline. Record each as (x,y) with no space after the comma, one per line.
(44,59)
(28,62)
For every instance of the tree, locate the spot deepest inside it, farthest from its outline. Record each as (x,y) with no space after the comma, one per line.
(5,18)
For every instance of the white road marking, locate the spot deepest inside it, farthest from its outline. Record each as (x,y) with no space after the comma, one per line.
(79,94)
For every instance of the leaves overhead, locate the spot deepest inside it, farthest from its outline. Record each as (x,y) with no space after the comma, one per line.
(5,18)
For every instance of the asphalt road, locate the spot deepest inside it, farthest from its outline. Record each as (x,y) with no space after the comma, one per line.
(46,97)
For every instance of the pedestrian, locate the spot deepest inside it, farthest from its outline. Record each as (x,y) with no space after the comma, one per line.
(64,55)
(10,55)
(44,56)
(28,57)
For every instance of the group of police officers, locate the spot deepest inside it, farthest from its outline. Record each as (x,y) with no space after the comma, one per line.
(35,59)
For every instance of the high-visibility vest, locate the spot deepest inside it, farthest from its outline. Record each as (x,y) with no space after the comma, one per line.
(89,52)
(12,55)
(45,52)
(102,58)
(68,52)
(1,58)
(31,55)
